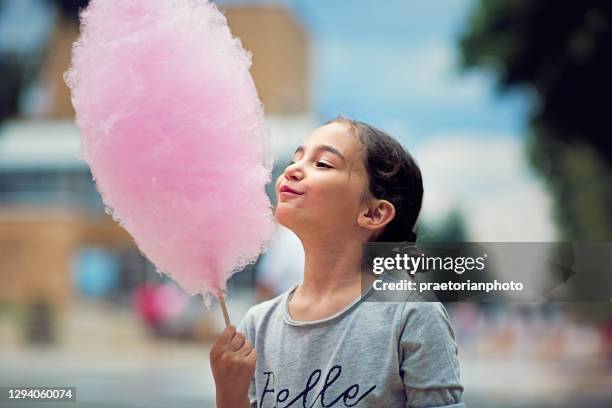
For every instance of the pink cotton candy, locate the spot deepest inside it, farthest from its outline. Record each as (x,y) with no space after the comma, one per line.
(173,131)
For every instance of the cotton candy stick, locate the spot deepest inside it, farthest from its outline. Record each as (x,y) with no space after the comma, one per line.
(173,131)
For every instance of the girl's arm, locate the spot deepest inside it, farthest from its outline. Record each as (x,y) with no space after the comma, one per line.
(428,357)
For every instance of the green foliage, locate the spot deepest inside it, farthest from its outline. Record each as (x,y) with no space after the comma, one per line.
(580,183)
(451,229)
(562,53)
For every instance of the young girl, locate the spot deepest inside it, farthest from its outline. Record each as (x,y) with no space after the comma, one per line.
(321,344)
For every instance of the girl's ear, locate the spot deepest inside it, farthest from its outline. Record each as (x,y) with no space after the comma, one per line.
(376,215)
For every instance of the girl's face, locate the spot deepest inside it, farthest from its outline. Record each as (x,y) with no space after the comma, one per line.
(322,189)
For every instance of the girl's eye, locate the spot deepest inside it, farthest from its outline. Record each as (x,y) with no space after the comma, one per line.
(318,164)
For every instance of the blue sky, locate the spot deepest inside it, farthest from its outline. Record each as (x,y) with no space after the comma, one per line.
(395,64)
(391,63)
(24,25)
(396,61)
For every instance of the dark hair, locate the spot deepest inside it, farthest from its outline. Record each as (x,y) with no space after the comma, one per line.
(393,175)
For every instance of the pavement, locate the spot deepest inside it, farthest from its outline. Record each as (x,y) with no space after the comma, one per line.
(113,361)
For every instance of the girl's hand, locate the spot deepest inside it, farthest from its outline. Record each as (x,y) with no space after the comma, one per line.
(232,359)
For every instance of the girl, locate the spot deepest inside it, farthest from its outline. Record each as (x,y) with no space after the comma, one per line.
(321,344)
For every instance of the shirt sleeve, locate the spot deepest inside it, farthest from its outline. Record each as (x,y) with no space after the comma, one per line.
(428,357)
(245,327)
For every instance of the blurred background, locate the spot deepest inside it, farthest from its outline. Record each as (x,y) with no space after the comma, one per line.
(504,104)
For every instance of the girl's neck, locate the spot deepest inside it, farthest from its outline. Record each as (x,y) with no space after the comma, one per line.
(330,266)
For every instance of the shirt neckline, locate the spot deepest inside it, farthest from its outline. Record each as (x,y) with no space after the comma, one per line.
(345,310)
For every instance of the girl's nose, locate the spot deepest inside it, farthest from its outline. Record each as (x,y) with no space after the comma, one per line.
(293,172)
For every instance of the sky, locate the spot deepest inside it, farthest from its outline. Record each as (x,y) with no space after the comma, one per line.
(24,24)
(395,65)
(399,63)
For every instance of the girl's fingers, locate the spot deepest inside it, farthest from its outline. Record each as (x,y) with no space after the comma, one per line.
(224,339)
(227,334)
(252,356)
(236,342)
(247,347)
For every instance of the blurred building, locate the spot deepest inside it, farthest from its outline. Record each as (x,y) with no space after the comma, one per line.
(50,211)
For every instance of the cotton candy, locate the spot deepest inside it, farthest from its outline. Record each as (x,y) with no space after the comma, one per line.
(173,131)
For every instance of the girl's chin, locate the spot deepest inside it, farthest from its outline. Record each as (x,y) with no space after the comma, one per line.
(281,217)
(287,218)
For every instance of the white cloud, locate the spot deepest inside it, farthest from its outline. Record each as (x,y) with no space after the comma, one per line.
(431,71)
(399,129)
(397,72)
(487,177)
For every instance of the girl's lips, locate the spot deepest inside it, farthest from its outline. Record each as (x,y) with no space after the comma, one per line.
(287,189)
(284,195)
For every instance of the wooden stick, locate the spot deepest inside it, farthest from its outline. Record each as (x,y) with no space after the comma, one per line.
(224,310)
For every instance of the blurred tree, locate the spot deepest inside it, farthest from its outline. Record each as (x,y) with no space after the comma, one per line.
(70,8)
(451,229)
(15,75)
(562,53)
(19,67)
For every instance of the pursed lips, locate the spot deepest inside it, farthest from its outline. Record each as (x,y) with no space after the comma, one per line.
(289,190)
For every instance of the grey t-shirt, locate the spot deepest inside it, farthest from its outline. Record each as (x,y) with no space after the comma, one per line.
(369,354)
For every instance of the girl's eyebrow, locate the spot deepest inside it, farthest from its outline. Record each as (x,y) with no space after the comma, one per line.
(323,147)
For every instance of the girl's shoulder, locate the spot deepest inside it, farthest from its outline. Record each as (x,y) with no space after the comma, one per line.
(425,316)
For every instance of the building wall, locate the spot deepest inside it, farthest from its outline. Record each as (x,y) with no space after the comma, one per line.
(37,248)
(280,55)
